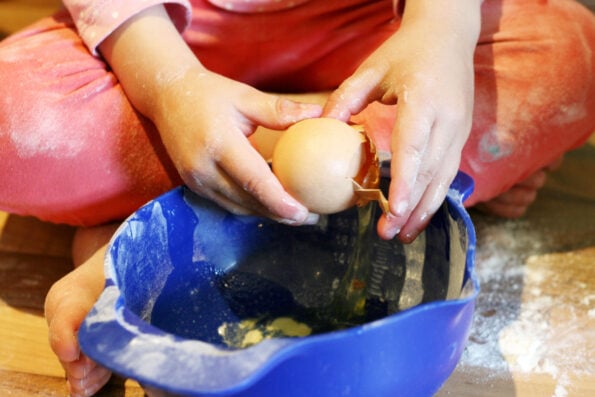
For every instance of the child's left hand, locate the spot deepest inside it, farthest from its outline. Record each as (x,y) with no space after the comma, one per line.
(426,67)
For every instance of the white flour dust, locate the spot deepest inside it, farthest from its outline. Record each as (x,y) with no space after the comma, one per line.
(534,307)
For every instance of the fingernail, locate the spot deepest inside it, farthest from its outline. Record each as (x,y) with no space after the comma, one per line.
(401,208)
(299,218)
(409,237)
(311,219)
(393,229)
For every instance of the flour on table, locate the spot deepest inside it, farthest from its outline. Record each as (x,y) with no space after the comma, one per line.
(534,307)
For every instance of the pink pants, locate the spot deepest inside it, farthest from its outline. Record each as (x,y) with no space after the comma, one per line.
(73,150)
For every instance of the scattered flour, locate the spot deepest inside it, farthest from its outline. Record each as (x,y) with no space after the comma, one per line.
(535,312)
(37,136)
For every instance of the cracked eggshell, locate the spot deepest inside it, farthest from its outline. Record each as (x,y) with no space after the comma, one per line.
(316,159)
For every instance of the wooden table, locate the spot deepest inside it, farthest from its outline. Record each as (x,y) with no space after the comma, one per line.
(33,255)
(534,325)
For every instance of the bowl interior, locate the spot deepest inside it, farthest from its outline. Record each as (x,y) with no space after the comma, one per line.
(187,267)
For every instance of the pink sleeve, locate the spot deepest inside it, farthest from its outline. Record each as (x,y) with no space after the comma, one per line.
(95,20)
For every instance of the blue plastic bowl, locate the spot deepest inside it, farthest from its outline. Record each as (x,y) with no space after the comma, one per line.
(180,267)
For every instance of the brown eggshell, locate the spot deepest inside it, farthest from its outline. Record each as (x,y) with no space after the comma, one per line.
(316,160)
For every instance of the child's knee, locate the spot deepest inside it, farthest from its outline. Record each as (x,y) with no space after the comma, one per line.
(534,92)
(72,148)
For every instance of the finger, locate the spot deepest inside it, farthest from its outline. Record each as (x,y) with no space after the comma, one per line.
(274,111)
(242,182)
(409,143)
(216,185)
(87,379)
(87,390)
(248,169)
(232,205)
(67,303)
(432,198)
(429,203)
(62,329)
(238,207)
(208,178)
(354,94)
(428,161)
(437,171)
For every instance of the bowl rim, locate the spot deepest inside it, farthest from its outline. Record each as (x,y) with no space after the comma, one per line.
(110,319)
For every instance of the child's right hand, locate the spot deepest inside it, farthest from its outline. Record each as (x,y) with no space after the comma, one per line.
(203,118)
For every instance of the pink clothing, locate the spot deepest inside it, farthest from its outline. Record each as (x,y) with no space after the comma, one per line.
(95,20)
(256,5)
(73,150)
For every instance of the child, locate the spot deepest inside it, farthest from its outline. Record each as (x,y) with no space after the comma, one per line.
(106,107)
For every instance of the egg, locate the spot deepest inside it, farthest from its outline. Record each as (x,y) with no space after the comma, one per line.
(317,161)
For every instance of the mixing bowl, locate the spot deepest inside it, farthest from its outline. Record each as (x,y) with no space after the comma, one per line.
(185,277)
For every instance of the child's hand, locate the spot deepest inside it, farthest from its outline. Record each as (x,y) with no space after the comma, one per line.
(426,67)
(204,120)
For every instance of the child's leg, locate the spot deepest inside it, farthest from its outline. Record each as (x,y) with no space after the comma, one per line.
(73,149)
(68,302)
(535,93)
